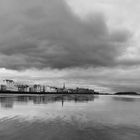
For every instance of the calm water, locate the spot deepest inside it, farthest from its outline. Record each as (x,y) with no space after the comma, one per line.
(44,118)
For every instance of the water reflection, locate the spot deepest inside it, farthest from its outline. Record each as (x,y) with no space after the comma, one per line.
(126,99)
(6,102)
(59,129)
(9,101)
(75,117)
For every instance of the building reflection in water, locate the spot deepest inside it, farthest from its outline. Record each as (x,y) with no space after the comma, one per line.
(8,101)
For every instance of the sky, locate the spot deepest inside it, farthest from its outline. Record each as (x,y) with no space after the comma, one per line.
(85,43)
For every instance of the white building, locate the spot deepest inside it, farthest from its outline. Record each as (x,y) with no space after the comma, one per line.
(8,85)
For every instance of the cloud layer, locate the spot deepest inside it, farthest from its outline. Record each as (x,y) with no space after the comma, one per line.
(89,43)
(47,33)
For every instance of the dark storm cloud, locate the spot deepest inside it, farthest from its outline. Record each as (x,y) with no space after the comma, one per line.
(46,33)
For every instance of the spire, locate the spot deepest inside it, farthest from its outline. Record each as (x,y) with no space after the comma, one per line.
(64,86)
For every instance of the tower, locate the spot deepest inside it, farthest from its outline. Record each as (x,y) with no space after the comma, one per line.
(64,87)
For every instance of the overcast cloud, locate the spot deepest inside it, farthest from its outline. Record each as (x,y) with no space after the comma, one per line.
(46,33)
(66,37)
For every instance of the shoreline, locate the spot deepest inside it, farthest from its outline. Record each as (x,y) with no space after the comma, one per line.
(42,93)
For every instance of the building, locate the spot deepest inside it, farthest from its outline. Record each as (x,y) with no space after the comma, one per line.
(8,85)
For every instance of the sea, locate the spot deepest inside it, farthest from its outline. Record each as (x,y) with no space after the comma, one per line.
(46,117)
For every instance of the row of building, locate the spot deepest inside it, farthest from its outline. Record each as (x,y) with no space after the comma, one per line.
(11,86)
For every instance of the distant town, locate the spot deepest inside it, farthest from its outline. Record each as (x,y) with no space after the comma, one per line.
(10,86)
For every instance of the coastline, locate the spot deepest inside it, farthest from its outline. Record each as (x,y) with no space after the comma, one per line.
(42,93)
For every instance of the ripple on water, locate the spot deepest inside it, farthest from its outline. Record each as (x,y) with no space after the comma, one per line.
(105,118)
(59,129)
